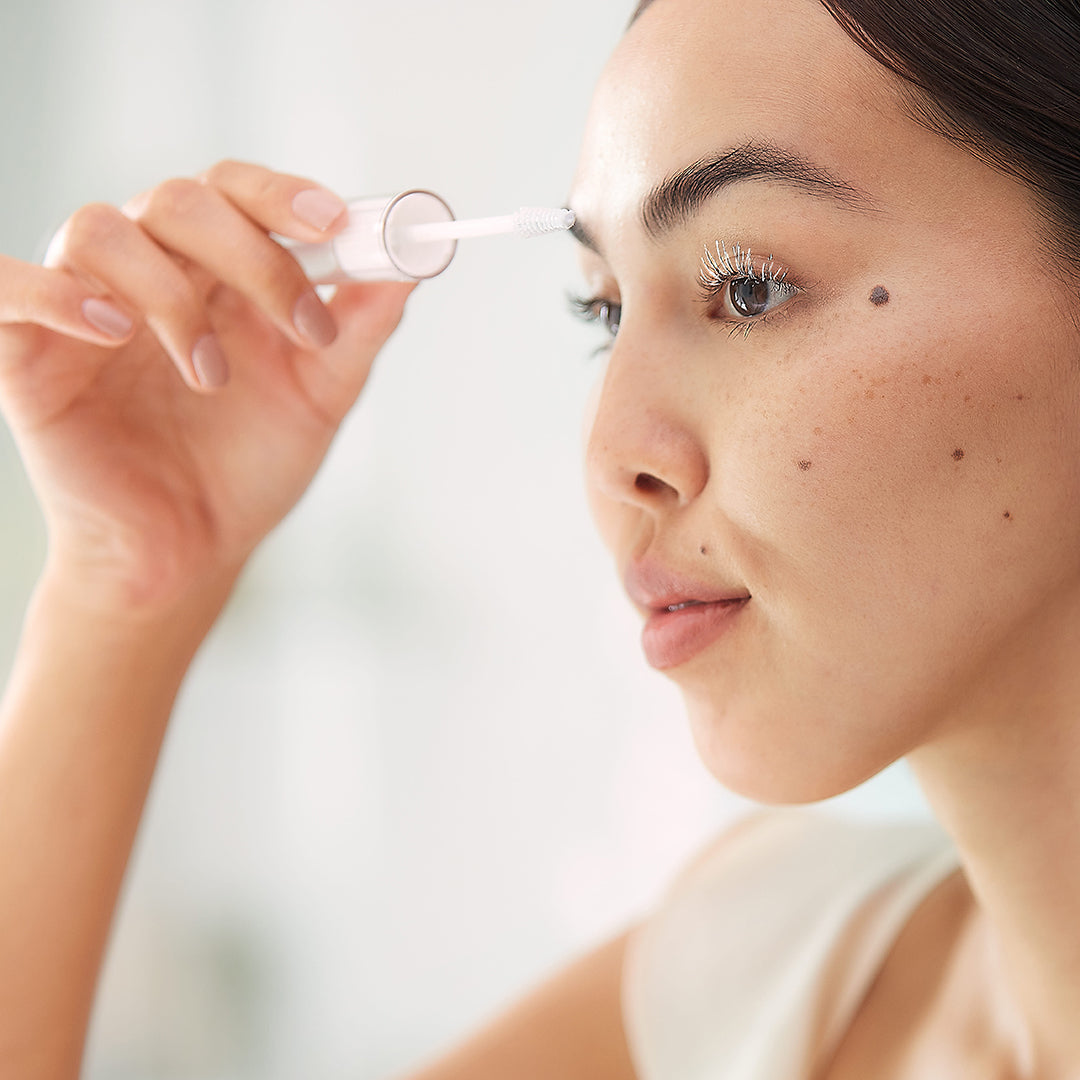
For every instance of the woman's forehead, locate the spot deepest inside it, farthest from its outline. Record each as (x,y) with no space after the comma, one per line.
(693,78)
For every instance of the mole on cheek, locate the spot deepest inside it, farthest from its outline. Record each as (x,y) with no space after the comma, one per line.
(879,296)
(958,454)
(805,465)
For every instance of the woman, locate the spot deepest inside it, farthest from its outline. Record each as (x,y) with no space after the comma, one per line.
(834,455)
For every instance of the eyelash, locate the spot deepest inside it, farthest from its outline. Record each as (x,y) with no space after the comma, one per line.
(720,269)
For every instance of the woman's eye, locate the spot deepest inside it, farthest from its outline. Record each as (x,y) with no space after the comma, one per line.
(740,291)
(597,309)
(752,297)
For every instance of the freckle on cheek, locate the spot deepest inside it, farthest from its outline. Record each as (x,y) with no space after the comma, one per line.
(1007,516)
(958,454)
(879,297)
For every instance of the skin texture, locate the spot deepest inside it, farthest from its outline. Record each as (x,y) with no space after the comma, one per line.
(896,485)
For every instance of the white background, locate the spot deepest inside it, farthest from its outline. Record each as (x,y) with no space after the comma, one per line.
(420,763)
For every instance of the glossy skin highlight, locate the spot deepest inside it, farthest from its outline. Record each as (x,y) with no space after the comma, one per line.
(892,602)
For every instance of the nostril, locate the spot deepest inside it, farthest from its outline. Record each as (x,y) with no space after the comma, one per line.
(650,485)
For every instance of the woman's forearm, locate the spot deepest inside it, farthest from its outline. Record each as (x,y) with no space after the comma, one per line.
(172,381)
(81,725)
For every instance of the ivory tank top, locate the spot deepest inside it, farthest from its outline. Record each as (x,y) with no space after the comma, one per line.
(745,970)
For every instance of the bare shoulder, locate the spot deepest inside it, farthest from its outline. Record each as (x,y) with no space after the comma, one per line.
(570,1027)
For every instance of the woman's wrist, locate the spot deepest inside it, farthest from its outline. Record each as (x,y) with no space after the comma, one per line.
(139,651)
(135,604)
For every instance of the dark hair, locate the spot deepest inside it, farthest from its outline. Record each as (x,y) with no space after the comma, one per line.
(999,77)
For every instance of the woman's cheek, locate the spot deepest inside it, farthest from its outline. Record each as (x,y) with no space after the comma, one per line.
(875,453)
(911,474)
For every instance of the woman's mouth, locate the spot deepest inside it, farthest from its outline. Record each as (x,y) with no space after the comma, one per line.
(676,633)
(682,616)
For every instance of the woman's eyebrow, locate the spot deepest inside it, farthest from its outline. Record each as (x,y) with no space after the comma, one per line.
(582,235)
(678,197)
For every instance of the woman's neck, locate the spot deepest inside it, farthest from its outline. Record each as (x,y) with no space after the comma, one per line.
(1004,780)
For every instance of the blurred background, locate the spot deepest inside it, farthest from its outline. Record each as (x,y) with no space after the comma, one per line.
(420,763)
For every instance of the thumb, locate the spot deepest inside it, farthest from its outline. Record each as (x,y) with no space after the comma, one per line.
(366,313)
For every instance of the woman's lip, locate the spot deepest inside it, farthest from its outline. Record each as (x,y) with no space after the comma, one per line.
(654,588)
(671,638)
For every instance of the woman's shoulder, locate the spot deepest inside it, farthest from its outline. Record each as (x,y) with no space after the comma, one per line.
(806,844)
(741,939)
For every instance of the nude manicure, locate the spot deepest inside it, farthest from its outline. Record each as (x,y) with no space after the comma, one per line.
(103,316)
(317,207)
(313,322)
(211,367)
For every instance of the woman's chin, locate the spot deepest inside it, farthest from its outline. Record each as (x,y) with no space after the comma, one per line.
(780,758)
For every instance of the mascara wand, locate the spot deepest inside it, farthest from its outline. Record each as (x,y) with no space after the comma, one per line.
(409,237)
(527,222)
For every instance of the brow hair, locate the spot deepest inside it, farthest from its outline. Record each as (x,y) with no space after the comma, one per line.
(637,12)
(680,195)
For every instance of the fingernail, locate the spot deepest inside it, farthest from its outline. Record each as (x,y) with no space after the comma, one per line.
(313,321)
(318,207)
(211,367)
(103,316)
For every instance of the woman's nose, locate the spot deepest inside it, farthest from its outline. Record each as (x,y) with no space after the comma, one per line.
(641,446)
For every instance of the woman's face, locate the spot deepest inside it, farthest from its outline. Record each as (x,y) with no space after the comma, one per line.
(872,431)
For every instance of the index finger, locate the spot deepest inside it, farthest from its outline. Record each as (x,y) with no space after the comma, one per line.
(290,205)
(57,300)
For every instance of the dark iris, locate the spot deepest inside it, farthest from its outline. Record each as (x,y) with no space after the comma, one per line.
(609,315)
(750,296)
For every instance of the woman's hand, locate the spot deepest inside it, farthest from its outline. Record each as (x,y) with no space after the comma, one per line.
(172,379)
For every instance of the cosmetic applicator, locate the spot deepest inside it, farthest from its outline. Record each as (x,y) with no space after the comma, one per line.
(409,237)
